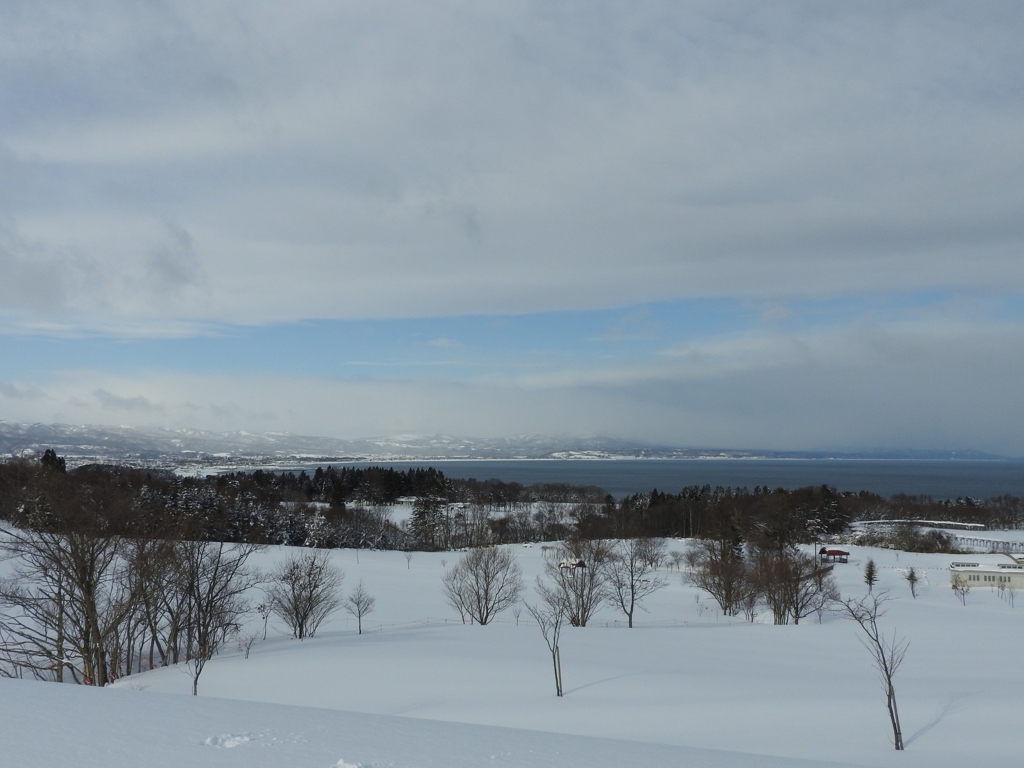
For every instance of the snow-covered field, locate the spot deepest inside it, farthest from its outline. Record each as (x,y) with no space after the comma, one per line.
(685,687)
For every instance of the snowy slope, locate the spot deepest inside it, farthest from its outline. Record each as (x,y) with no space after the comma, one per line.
(686,687)
(45,725)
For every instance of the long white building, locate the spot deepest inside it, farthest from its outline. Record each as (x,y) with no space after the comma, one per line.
(978,574)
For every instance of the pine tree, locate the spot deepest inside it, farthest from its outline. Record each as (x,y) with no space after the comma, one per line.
(51,460)
(427,523)
(870,575)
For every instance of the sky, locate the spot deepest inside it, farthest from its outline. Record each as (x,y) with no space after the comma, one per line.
(785,226)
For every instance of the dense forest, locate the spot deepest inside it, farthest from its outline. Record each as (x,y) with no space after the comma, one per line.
(350,507)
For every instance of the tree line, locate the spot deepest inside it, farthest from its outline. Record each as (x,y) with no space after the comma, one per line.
(808,513)
(348,507)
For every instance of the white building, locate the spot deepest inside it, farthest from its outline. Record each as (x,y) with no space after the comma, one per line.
(1005,575)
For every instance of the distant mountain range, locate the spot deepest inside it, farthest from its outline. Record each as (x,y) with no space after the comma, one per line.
(83,444)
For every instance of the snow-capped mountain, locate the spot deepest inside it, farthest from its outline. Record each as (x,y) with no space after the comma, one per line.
(104,443)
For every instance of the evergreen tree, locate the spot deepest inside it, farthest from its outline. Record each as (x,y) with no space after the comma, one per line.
(427,523)
(52,461)
(870,575)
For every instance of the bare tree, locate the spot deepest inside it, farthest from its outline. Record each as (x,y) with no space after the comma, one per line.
(485,582)
(578,572)
(246,642)
(159,608)
(265,611)
(549,615)
(359,603)
(771,574)
(961,589)
(718,568)
(95,575)
(168,605)
(551,520)
(471,525)
(213,578)
(793,584)
(912,579)
(305,590)
(32,630)
(69,596)
(750,599)
(812,588)
(630,572)
(677,558)
(887,653)
(93,587)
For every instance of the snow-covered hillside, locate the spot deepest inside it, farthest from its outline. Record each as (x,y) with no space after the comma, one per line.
(685,687)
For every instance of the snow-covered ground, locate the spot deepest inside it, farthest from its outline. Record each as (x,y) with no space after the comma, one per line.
(685,687)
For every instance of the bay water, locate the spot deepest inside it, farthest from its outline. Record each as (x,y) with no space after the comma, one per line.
(623,477)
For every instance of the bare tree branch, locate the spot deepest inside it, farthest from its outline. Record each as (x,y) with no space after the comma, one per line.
(887,653)
(360,603)
(485,582)
(305,590)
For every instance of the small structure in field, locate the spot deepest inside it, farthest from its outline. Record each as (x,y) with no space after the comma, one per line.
(827,555)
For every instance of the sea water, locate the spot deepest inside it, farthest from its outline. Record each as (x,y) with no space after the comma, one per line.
(624,477)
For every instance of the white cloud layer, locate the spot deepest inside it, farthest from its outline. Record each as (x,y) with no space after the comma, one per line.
(853,388)
(169,169)
(256,162)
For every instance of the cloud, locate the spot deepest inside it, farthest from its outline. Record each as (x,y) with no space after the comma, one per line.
(426,161)
(444,342)
(775,313)
(636,325)
(173,171)
(173,263)
(852,387)
(13,392)
(35,277)
(111,402)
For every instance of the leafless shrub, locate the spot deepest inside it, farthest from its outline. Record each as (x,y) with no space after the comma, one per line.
(912,579)
(676,558)
(549,615)
(887,653)
(578,574)
(485,582)
(304,590)
(719,569)
(359,603)
(631,573)
(794,585)
(961,589)
(62,610)
(212,578)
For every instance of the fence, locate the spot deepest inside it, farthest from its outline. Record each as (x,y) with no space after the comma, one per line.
(991,545)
